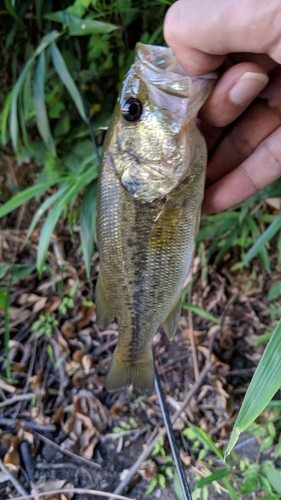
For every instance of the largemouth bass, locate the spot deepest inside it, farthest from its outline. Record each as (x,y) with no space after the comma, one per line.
(150,193)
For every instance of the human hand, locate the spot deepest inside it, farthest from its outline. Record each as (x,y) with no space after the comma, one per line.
(241,119)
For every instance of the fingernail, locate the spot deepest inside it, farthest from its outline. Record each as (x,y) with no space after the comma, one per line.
(247,88)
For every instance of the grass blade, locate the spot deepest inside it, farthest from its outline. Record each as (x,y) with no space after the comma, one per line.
(39,101)
(206,440)
(265,383)
(45,205)
(67,79)
(215,476)
(263,239)
(88,224)
(73,189)
(13,125)
(26,195)
(4,118)
(201,312)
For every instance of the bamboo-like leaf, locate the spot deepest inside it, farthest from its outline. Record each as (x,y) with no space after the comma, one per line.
(4,118)
(46,40)
(201,312)
(264,238)
(262,253)
(67,79)
(70,194)
(27,194)
(215,476)
(80,27)
(43,208)
(206,440)
(13,13)
(265,383)
(39,100)
(89,26)
(88,224)
(227,244)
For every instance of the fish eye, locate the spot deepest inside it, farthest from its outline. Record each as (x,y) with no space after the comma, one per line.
(131,109)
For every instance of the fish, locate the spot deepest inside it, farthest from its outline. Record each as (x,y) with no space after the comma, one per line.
(150,192)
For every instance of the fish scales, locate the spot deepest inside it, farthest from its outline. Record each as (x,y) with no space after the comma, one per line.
(150,192)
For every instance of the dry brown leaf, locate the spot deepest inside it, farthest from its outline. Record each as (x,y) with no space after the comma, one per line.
(84,315)
(148,470)
(12,457)
(68,329)
(39,305)
(87,363)
(52,304)
(185,458)
(274,202)
(7,387)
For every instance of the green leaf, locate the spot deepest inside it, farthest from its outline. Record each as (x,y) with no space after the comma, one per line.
(13,13)
(265,383)
(266,443)
(227,244)
(206,440)
(89,26)
(88,224)
(13,125)
(3,299)
(43,208)
(201,312)
(39,101)
(20,271)
(263,239)
(262,253)
(26,195)
(277,449)
(215,476)
(80,27)
(250,479)
(4,117)
(274,477)
(70,194)
(177,487)
(274,291)
(232,493)
(67,79)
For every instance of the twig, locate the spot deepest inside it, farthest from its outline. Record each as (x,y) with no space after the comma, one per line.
(20,489)
(16,399)
(147,451)
(80,491)
(25,424)
(192,340)
(67,452)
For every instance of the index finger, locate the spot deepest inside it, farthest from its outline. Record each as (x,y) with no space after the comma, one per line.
(201,32)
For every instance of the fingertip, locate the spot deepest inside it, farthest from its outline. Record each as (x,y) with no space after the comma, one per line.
(235,90)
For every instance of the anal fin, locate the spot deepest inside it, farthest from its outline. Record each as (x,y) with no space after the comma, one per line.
(104,314)
(170,323)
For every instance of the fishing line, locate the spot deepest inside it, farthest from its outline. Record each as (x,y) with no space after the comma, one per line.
(171,437)
(158,388)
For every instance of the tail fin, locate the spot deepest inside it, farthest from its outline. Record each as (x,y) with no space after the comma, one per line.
(121,374)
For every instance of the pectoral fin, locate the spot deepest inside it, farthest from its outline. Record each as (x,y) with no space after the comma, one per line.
(170,323)
(103,311)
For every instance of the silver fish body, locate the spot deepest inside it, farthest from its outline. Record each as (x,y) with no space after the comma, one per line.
(150,193)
